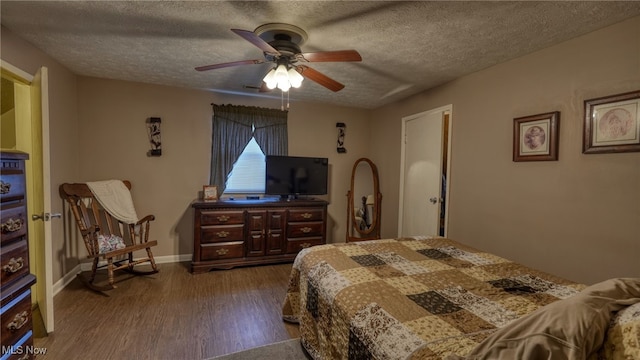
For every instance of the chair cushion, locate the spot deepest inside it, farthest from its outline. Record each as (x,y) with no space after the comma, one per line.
(108,243)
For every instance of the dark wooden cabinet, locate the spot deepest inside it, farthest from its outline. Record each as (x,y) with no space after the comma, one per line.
(241,232)
(16,279)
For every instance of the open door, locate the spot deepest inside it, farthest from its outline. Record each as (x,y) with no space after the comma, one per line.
(31,100)
(422,178)
(40,199)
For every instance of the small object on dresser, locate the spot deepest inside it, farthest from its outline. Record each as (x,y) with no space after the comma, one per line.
(210,193)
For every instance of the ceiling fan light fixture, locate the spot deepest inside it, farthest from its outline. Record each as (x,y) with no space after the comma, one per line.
(295,78)
(281,73)
(282,78)
(270,79)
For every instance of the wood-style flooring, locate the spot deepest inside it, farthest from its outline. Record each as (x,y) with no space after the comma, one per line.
(171,315)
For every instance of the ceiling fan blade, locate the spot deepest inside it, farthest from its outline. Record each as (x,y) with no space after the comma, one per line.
(319,77)
(326,56)
(228,64)
(251,37)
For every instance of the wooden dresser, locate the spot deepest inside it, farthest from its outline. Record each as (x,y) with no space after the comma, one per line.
(247,232)
(17,329)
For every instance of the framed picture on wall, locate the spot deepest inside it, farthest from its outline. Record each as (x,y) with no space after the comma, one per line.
(210,193)
(535,137)
(612,124)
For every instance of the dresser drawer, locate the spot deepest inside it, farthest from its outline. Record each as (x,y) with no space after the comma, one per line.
(225,233)
(11,186)
(14,261)
(295,245)
(297,215)
(308,229)
(208,217)
(16,318)
(218,251)
(13,223)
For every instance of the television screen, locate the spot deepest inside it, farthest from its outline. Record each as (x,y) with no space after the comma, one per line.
(296,175)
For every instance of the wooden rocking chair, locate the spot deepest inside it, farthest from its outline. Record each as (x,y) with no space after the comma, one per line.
(96,225)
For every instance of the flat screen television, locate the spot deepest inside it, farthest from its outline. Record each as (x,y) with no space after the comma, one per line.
(291,176)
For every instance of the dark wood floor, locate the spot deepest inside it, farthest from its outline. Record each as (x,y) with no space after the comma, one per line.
(171,315)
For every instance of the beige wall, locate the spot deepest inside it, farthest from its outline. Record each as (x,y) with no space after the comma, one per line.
(63,120)
(578,217)
(114,144)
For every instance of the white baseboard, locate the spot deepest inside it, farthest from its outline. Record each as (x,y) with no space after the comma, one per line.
(86,266)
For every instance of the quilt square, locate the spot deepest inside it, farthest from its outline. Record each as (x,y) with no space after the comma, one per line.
(368,260)
(467,322)
(513,287)
(433,253)
(357,349)
(434,303)
(312,299)
(386,271)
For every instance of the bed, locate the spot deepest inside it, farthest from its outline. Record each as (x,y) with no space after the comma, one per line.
(435,298)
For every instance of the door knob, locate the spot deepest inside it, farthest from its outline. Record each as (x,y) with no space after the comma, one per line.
(45,216)
(433,200)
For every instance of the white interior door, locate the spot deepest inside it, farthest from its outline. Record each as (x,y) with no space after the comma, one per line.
(41,205)
(422,173)
(31,102)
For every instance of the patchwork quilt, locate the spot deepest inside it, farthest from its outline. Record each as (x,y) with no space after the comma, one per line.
(409,298)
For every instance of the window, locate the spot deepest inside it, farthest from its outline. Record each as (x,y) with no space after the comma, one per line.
(247,175)
(233,128)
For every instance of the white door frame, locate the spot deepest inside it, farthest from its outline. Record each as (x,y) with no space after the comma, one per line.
(446,109)
(47,245)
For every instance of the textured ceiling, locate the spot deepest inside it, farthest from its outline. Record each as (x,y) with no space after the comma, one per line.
(407,47)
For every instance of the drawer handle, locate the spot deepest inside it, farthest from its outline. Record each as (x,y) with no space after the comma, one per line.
(14,265)
(222,251)
(306,229)
(223,218)
(305,245)
(18,321)
(307,215)
(5,188)
(222,234)
(12,225)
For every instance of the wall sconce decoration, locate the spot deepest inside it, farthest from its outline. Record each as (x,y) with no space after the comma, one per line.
(341,130)
(153,130)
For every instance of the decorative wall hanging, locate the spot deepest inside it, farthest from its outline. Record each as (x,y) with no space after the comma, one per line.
(535,137)
(341,130)
(612,124)
(153,130)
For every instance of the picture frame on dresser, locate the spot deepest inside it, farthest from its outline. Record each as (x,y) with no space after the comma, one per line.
(535,137)
(210,193)
(612,124)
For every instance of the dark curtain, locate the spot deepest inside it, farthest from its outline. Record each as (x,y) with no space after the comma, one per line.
(233,127)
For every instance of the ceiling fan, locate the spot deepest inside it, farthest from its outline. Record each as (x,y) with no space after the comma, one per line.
(280,44)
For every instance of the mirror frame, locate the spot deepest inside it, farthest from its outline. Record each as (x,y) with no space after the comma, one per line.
(373,232)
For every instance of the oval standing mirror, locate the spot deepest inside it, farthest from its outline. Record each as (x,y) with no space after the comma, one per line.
(363,202)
